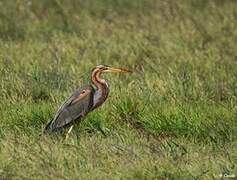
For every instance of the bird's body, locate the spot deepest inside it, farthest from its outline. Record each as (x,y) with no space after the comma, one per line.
(73,109)
(82,101)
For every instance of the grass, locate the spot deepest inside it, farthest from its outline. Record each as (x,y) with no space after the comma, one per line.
(173,118)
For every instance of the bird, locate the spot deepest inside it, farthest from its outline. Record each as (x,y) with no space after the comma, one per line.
(84,100)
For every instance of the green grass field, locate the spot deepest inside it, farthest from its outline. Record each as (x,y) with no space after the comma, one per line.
(175,117)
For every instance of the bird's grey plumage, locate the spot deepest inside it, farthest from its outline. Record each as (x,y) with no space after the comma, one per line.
(75,107)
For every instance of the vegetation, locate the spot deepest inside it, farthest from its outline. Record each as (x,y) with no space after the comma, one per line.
(175,117)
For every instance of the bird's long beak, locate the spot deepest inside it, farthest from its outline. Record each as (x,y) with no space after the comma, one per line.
(119,70)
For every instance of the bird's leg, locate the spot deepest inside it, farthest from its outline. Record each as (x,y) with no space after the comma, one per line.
(69,131)
(102,131)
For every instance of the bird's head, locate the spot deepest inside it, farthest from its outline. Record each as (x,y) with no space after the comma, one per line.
(103,68)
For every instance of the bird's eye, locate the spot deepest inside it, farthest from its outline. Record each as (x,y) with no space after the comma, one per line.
(83,92)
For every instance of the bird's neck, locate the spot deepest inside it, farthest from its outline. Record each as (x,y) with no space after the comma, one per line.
(102,89)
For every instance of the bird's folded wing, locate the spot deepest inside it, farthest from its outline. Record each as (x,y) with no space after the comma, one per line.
(78,105)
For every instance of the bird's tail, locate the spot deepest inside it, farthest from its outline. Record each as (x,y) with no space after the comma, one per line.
(47,128)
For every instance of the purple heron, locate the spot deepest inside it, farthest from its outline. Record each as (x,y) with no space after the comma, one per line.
(83,101)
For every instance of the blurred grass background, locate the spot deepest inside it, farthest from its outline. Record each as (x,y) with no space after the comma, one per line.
(174,117)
